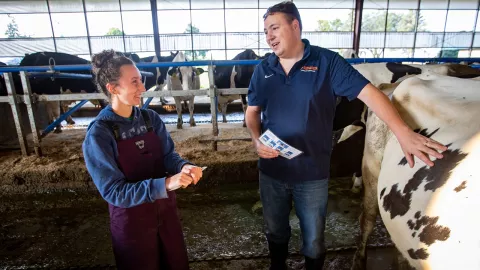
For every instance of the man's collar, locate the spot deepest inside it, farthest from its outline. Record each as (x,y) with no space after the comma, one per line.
(273,59)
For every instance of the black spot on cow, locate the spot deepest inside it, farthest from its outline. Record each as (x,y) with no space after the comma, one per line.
(382,193)
(400,70)
(398,202)
(422,222)
(422,132)
(419,254)
(410,224)
(433,232)
(462,186)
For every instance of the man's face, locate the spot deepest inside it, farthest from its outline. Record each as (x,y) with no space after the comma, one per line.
(280,33)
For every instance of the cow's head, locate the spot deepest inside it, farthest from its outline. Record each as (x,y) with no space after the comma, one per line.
(186,75)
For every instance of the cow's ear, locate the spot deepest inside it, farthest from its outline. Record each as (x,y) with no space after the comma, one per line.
(199,71)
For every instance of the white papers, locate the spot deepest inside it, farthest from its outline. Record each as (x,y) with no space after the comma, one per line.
(269,139)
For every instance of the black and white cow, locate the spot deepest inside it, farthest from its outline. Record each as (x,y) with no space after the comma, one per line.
(183,78)
(429,212)
(158,81)
(47,86)
(238,76)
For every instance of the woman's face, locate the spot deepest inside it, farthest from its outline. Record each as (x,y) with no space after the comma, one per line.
(130,87)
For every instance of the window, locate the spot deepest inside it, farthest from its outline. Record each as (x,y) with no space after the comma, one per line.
(69,24)
(23,6)
(460,20)
(241,4)
(173,21)
(242,20)
(208,21)
(206,4)
(65,5)
(463,4)
(373,20)
(403,4)
(177,4)
(102,5)
(137,22)
(104,24)
(327,4)
(433,4)
(375,4)
(326,20)
(432,20)
(27,25)
(401,20)
(135,5)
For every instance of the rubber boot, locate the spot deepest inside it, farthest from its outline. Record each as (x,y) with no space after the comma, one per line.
(314,264)
(278,256)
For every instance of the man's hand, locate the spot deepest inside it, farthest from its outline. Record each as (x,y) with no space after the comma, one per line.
(415,144)
(412,143)
(264,151)
(194,172)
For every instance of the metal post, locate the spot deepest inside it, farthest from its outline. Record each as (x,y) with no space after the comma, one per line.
(156,32)
(213,105)
(27,96)
(12,95)
(358,25)
(51,25)
(86,25)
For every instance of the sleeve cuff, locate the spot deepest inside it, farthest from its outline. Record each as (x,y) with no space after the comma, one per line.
(181,164)
(356,91)
(159,190)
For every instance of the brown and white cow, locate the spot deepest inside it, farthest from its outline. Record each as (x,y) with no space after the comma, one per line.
(429,212)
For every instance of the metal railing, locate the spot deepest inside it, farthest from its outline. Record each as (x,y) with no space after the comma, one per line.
(212,91)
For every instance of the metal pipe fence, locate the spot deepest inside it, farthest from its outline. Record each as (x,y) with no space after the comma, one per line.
(212,91)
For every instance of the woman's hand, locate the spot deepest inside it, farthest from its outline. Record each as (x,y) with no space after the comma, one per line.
(193,171)
(179,180)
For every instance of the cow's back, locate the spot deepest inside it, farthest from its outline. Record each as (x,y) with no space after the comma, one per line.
(430,213)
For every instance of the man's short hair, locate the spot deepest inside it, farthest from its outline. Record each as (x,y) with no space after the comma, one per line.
(286,7)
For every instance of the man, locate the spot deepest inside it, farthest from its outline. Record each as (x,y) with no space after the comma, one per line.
(294,90)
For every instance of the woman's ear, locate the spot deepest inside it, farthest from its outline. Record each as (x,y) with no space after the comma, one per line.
(111,88)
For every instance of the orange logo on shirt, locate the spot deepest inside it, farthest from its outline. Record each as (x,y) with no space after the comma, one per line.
(309,69)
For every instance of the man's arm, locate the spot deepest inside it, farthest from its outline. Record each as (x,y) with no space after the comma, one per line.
(411,142)
(252,119)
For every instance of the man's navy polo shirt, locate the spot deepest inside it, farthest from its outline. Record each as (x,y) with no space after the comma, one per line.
(299,108)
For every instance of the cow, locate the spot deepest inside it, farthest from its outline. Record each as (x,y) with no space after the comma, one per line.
(160,73)
(349,53)
(237,76)
(48,86)
(428,211)
(183,78)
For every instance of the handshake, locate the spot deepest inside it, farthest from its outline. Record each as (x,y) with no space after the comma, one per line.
(189,174)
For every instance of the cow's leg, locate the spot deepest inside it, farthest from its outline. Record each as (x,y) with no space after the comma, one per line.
(178,106)
(64,109)
(367,217)
(244,106)
(223,108)
(357,181)
(53,112)
(191,106)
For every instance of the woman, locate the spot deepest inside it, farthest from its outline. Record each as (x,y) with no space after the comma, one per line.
(132,161)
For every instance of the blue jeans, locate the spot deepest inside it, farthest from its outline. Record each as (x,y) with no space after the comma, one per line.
(310,199)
